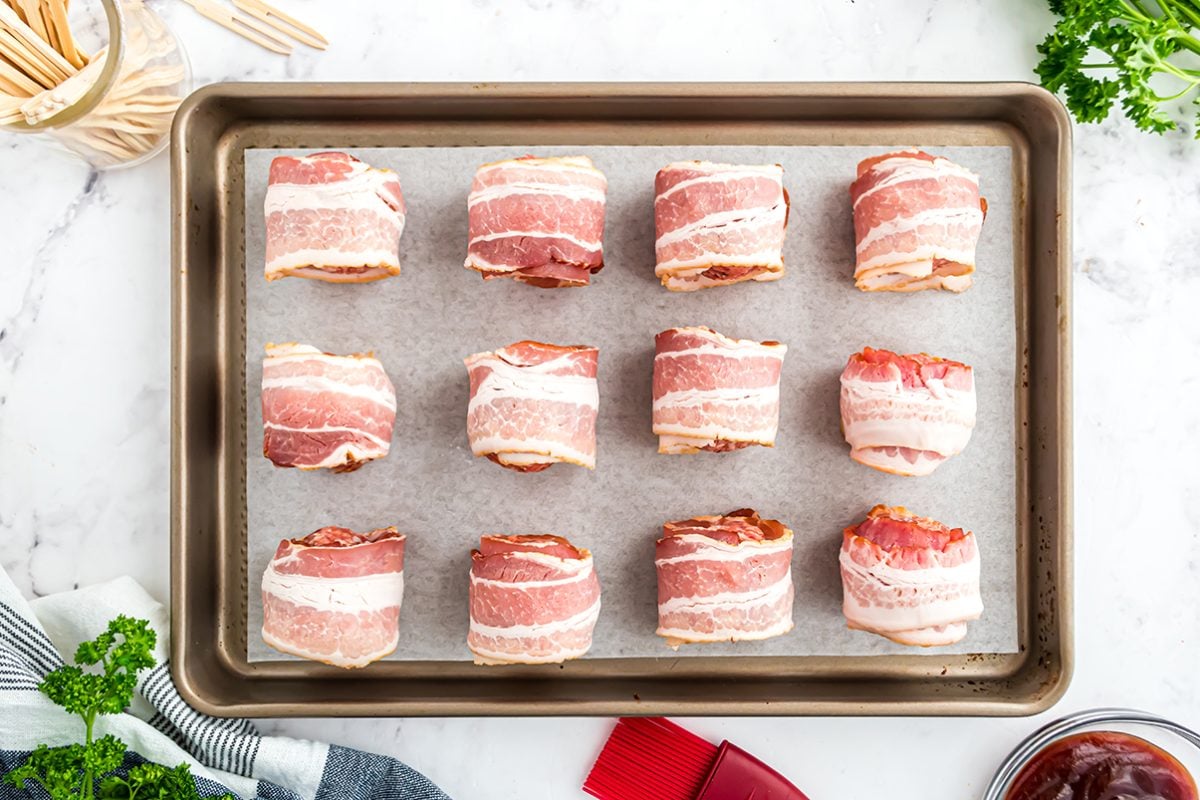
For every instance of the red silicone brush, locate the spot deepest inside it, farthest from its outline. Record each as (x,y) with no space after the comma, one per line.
(650,758)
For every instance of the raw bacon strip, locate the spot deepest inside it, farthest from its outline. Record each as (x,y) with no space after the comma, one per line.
(533,405)
(334,596)
(909,578)
(724,579)
(534,600)
(333,218)
(906,414)
(715,393)
(917,219)
(537,220)
(717,224)
(325,411)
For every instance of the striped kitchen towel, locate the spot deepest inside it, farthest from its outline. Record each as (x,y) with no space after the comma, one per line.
(224,754)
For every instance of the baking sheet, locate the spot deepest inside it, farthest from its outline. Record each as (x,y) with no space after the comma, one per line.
(424,322)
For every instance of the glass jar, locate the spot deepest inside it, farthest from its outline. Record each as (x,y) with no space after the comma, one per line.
(117,110)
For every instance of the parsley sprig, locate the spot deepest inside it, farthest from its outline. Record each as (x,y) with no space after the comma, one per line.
(1140,53)
(71,772)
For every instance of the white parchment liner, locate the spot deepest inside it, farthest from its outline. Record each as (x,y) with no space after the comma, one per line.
(424,322)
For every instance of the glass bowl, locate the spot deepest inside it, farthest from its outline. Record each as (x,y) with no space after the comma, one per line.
(1181,742)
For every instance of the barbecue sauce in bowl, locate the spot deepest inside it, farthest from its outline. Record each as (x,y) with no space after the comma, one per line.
(1103,765)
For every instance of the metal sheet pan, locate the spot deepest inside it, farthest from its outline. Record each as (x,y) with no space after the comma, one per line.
(209,580)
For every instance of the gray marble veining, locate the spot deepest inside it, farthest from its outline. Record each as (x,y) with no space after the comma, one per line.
(84,355)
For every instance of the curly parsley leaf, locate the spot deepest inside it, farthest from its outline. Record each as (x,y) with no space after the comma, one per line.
(152,782)
(1090,99)
(56,769)
(78,692)
(101,681)
(1085,14)
(103,755)
(1062,57)
(1103,53)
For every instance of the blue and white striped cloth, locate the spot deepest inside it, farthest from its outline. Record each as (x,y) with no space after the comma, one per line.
(225,754)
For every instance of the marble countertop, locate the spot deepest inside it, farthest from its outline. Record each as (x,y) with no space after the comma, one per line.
(85,325)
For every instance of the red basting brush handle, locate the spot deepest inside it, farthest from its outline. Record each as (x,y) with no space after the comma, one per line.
(737,775)
(649,758)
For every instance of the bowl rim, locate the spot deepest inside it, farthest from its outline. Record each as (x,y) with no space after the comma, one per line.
(1032,744)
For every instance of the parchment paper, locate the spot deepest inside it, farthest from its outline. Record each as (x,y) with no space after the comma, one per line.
(422,323)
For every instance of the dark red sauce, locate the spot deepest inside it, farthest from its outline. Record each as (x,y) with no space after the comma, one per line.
(1103,765)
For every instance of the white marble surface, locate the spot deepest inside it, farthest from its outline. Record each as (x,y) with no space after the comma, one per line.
(84,361)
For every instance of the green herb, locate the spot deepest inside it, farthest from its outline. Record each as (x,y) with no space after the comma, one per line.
(70,772)
(1106,51)
(151,782)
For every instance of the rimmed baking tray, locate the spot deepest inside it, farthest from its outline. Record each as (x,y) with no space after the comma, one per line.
(209,541)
